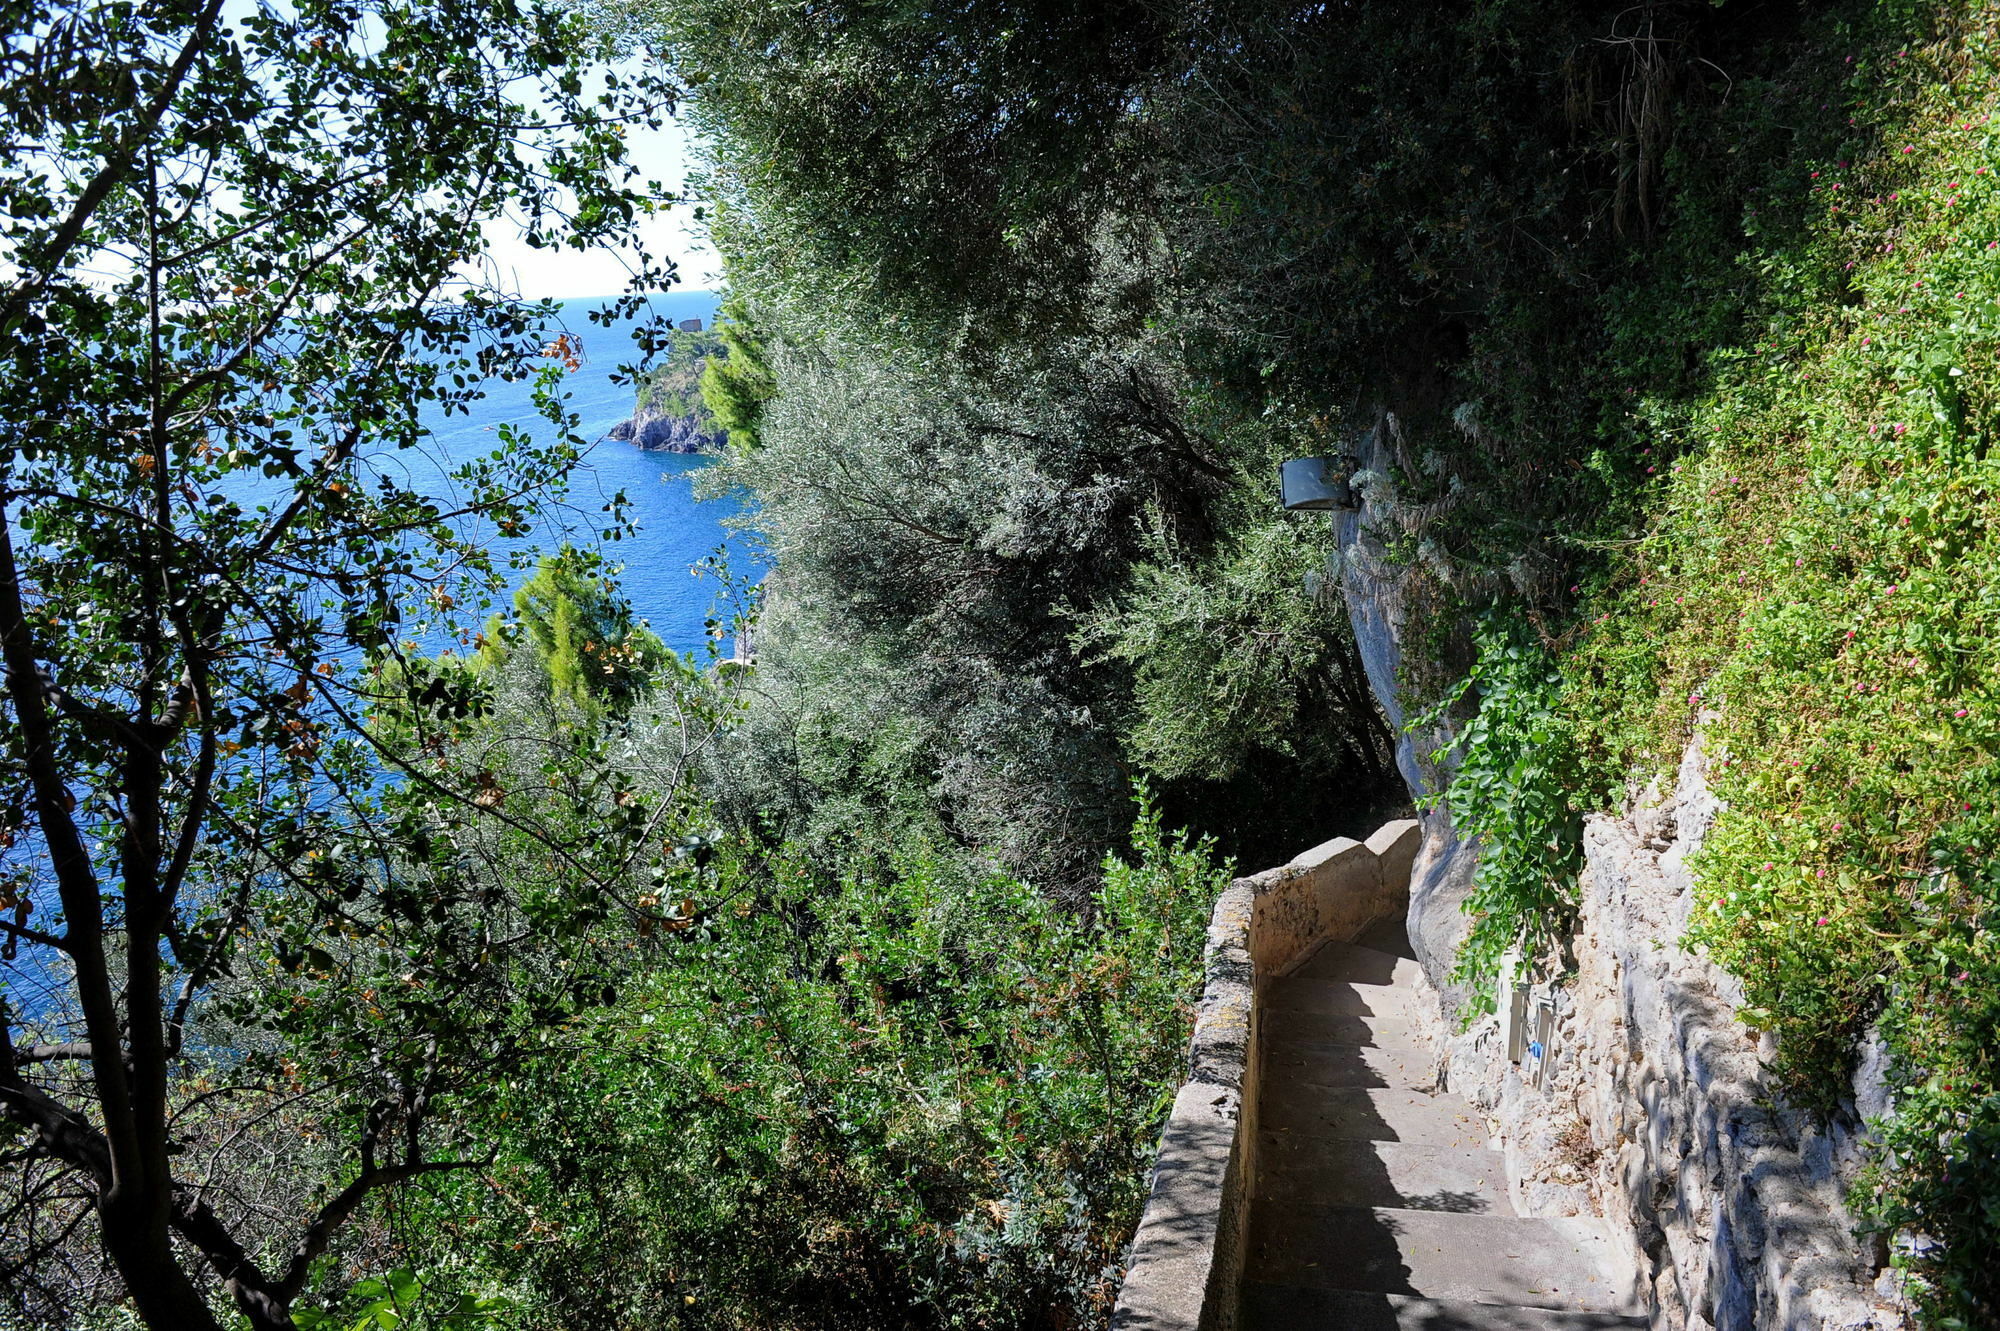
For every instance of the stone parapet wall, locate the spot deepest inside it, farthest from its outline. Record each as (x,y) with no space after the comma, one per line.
(1188,1253)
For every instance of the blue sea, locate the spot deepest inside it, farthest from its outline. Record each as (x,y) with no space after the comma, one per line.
(676,531)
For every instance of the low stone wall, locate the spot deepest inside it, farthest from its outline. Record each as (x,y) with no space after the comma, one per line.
(1188,1254)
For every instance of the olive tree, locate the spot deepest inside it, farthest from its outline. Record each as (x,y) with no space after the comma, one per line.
(239,270)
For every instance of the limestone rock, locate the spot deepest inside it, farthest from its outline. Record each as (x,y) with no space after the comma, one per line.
(660,433)
(1374,592)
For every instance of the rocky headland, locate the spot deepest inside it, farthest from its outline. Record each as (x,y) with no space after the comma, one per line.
(660,431)
(669,416)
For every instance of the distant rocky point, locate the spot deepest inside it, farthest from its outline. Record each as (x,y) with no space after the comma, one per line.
(670,416)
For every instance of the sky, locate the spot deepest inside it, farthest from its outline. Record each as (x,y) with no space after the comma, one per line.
(661,155)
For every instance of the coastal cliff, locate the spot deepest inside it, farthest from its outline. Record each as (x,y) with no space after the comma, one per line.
(659,431)
(669,416)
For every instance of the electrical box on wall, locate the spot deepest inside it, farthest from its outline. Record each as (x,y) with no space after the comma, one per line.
(1510,1000)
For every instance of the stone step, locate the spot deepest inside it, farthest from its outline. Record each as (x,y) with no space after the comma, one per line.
(1341,998)
(1388,936)
(1290,1308)
(1566,1264)
(1351,963)
(1360,1113)
(1285,1026)
(1297,1063)
(1343,1172)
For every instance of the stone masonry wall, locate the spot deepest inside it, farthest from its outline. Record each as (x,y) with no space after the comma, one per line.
(1653,1108)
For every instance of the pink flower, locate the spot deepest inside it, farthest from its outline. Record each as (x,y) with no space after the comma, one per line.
(1893,589)
(1822,919)
(1963,711)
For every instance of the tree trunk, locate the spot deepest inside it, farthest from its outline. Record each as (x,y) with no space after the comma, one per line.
(135,1235)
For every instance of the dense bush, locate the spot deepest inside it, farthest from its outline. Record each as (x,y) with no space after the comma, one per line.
(877,1088)
(944,532)
(1515,784)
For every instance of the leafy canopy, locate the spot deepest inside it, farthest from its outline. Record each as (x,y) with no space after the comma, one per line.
(238,281)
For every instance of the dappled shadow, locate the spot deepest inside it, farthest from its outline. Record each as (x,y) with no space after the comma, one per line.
(1458,1203)
(1389,936)
(1339,963)
(1298,1308)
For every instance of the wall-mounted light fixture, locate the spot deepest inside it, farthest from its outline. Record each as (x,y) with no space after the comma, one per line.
(1318,483)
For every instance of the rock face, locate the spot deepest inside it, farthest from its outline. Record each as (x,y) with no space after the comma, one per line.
(1381,615)
(660,433)
(1634,1093)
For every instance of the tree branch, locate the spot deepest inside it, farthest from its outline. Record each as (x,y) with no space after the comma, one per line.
(60,1131)
(117,163)
(343,1205)
(53,1053)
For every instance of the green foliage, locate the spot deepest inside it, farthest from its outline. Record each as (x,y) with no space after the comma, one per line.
(930,523)
(405,1299)
(1228,653)
(872,1088)
(1813,588)
(583,635)
(915,161)
(736,385)
(234,292)
(1515,785)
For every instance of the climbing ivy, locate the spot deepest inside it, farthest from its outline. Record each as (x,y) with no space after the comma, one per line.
(1515,775)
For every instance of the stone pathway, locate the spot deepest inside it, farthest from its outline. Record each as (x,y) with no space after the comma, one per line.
(1377,1205)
